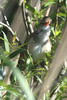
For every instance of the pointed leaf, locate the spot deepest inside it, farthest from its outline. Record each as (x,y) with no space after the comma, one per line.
(21,80)
(6,43)
(30,8)
(15,53)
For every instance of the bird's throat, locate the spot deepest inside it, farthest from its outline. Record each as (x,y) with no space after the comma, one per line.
(46,24)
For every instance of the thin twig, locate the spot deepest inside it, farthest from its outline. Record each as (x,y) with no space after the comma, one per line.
(24,17)
(11,31)
(48,11)
(30,27)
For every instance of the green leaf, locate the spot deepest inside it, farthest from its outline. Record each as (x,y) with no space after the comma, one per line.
(57,32)
(52,29)
(13,90)
(62,14)
(1,50)
(21,80)
(30,8)
(39,79)
(47,4)
(52,0)
(15,53)
(64,96)
(1,28)
(64,82)
(2,54)
(2,84)
(6,43)
(9,88)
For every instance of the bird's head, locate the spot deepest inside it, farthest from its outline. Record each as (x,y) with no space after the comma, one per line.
(46,21)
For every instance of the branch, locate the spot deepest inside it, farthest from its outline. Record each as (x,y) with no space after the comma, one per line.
(10,30)
(26,19)
(48,11)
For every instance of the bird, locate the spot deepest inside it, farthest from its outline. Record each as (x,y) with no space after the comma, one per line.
(40,43)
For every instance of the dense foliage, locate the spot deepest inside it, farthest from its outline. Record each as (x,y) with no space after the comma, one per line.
(28,76)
